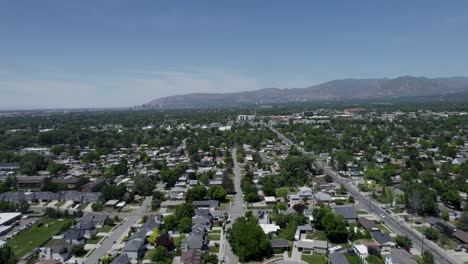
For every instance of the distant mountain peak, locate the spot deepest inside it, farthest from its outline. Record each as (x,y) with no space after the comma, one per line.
(336,90)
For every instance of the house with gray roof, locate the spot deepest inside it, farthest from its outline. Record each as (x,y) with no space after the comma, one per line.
(60,250)
(134,248)
(337,258)
(348,213)
(74,236)
(399,256)
(96,219)
(197,239)
(122,259)
(206,204)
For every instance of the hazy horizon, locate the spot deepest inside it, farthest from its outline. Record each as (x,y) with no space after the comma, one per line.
(61,54)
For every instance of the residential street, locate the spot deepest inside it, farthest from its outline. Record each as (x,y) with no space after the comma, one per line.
(118,233)
(237,210)
(396,224)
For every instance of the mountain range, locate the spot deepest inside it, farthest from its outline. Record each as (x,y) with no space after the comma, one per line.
(404,87)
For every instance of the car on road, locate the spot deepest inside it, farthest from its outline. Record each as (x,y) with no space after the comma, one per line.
(382,215)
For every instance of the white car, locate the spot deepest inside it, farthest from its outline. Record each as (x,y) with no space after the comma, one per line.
(382,215)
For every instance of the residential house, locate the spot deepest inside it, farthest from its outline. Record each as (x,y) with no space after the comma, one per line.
(88,228)
(206,204)
(399,256)
(280,244)
(121,259)
(347,212)
(315,246)
(30,182)
(367,224)
(302,229)
(321,198)
(337,258)
(60,250)
(198,239)
(134,249)
(97,220)
(192,256)
(74,236)
(361,251)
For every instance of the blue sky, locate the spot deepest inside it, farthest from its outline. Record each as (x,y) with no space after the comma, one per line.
(122,53)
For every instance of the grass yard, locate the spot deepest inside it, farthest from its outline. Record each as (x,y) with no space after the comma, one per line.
(384,228)
(214,249)
(317,235)
(94,241)
(353,259)
(361,212)
(27,240)
(312,259)
(105,229)
(214,236)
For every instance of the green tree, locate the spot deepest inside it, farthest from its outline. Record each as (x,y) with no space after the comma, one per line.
(248,240)
(208,258)
(462,222)
(403,241)
(195,194)
(430,233)
(184,210)
(78,250)
(7,256)
(216,192)
(185,225)
(160,255)
(428,258)
(170,222)
(152,238)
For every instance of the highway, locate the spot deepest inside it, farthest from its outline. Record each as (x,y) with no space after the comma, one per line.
(395,224)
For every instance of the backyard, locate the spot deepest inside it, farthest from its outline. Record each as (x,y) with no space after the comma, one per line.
(27,240)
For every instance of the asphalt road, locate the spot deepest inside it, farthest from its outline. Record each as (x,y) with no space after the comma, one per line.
(118,233)
(236,210)
(397,225)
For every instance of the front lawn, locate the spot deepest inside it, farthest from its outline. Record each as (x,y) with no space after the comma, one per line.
(105,229)
(312,259)
(214,236)
(361,212)
(95,240)
(27,240)
(353,259)
(214,249)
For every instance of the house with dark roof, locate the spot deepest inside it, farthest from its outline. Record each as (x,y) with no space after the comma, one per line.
(382,238)
(134,248)
(279,244)
(74,236)
(60,250)
(348,213)
(337,258)
(399,256)
(367,224)
(122,259)
(96,219)
(9,166)
(207,204)
(30,182)
(461,235)
(88,228)
(192,256)
(198,239)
